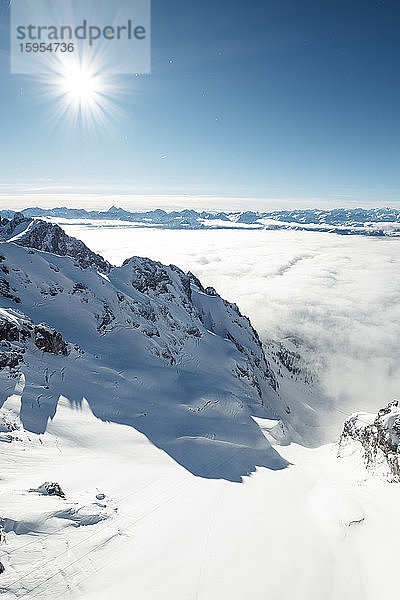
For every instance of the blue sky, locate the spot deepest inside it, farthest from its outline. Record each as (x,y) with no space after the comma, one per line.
(295,102)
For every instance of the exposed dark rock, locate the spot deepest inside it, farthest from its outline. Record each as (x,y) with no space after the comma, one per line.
(50,489)
(105,319)
(149,275)
(151,332)
(11,359)
(9,331)
(48,339)
(290,360)
(210,291)
(6,291)
(194,331)
(193,279)
(79,287)
(52,290)
(8,227)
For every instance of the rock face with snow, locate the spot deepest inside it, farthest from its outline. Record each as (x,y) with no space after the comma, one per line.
(49,488)
(145,344)
(38,234)
(379,436)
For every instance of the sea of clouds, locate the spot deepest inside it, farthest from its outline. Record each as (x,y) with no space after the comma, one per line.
(339,295)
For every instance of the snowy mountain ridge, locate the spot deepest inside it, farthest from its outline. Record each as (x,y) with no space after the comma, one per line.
(171,354)
(35,233)
(354,221)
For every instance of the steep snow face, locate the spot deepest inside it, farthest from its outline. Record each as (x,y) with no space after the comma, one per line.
(34,233)
(147,346)
(379,436)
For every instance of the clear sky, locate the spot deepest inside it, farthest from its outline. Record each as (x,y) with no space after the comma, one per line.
(292,101)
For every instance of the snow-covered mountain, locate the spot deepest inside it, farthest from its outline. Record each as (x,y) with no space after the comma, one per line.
(35,233)
(145,344)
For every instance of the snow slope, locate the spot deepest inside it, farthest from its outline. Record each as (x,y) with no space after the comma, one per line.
(313,531)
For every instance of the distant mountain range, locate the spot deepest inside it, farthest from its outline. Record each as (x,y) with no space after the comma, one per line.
(344,221)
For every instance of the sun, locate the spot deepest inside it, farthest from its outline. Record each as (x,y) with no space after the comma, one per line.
(83,91)
(80,85)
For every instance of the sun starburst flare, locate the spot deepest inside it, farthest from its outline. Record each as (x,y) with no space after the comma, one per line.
(83,91)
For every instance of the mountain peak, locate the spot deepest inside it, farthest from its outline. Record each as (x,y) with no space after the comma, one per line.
(49,237)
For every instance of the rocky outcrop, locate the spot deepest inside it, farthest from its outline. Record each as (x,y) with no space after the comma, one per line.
(49,488)
(9,331)
(379,436)
(7,291)
(13,226)
(41,235)
(17,333)
(48,339)
(51,238)
(12,332)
